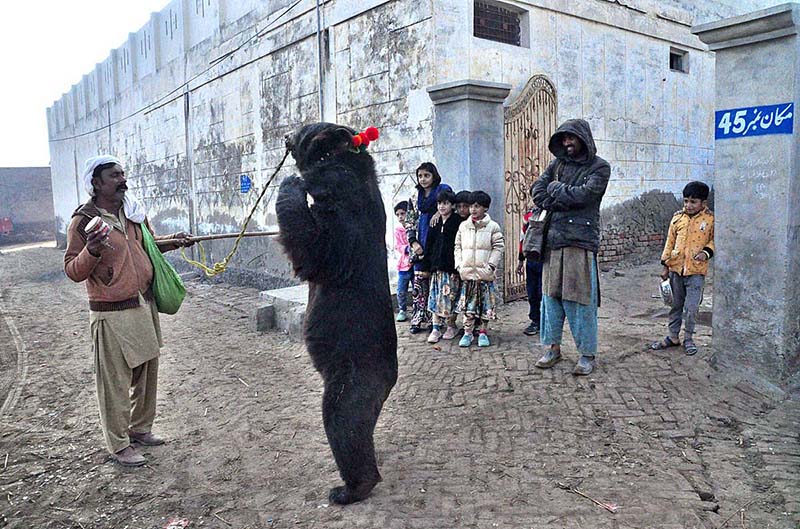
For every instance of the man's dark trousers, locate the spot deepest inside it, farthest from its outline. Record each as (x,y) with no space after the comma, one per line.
(533,280)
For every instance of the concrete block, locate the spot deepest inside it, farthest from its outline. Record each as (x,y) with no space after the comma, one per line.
(289,306)
(625,151)
(262,318)
(645,152)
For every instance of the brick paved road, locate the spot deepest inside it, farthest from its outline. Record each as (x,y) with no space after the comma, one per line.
(474,438)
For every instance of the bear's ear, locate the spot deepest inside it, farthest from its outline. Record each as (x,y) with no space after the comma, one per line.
(342,138)
(329,142)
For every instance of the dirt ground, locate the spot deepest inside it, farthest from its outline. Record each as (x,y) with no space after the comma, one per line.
(469,438)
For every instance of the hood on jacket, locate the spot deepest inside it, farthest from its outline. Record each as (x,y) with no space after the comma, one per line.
(576,127)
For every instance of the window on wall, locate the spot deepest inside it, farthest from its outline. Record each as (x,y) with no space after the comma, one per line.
(678,60)
(500,22)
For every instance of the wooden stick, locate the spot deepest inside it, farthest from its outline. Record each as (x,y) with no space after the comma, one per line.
(610,507)
(200,238)
(740,509)
(218,517)
(606,506)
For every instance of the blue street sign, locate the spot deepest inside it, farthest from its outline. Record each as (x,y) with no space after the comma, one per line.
(754,121)
(245,184)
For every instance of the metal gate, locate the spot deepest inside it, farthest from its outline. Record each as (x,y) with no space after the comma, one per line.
(529,122)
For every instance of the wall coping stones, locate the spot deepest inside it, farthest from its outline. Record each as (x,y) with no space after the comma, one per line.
(469,89)
(758,26)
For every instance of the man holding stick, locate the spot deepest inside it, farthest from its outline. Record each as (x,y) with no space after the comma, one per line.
(126,335)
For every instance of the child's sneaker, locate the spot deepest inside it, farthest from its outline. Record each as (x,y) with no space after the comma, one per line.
(466,340)
(483,340)
(401,316)
(449,333)
(434,336)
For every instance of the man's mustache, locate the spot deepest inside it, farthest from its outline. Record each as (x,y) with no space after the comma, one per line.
(122,187)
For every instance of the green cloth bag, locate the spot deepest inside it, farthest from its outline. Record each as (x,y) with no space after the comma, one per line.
(168,288)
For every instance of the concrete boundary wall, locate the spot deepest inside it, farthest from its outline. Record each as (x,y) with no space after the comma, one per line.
(234,118)
(206,90)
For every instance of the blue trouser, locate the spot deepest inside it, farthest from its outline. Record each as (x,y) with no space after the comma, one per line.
(533,282)
(582,320)
(404,277)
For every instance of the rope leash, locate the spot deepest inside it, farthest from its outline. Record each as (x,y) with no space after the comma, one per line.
(221,266)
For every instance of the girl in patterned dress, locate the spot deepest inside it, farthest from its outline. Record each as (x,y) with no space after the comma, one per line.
(478,250)
(429,185)
(445,282)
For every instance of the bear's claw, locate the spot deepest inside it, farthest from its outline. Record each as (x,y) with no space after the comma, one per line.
(345,495)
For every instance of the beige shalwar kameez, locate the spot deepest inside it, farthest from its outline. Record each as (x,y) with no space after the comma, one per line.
(126,348)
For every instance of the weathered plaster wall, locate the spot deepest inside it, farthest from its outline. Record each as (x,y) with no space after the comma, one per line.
(610,65)
(234,115)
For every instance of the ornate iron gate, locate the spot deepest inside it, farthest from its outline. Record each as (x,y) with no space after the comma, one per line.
(529,122)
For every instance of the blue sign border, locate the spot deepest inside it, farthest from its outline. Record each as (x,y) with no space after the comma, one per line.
(754,121)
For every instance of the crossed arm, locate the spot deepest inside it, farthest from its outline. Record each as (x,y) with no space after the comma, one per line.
(550,194)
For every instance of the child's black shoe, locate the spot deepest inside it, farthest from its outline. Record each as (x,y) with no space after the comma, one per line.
(531,330)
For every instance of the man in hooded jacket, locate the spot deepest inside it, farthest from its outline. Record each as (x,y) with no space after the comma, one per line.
(571,189)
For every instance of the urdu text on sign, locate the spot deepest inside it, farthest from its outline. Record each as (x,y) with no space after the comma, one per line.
(754,121)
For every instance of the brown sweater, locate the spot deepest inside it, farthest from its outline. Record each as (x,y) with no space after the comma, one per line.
(113,280)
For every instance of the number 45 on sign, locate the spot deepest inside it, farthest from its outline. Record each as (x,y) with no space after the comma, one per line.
(754,121)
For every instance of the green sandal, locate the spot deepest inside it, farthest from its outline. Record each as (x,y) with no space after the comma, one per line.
(689,347)
(666,343)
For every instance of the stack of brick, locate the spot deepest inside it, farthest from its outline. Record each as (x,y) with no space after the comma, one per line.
(617,245)
(635,229)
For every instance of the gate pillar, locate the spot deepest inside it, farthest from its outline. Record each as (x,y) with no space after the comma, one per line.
(757,193)
(468,137)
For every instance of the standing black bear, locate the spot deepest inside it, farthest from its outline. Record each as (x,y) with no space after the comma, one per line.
(337,244)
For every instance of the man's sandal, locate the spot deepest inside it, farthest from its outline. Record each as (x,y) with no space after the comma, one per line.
(689,347)
(666,343)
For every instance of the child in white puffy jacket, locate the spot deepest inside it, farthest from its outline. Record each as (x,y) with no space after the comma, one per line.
(478,251)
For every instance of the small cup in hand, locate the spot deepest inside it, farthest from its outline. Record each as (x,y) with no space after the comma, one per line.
(101,228)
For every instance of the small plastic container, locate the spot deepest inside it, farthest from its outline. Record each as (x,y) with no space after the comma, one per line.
(666,292)
(99,225)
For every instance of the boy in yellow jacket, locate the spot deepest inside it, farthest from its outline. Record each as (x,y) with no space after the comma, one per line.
(689,246)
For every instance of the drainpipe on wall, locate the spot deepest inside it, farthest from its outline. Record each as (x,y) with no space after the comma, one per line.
(319,58)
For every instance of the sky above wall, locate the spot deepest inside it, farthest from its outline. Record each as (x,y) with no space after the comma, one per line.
(46,46)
